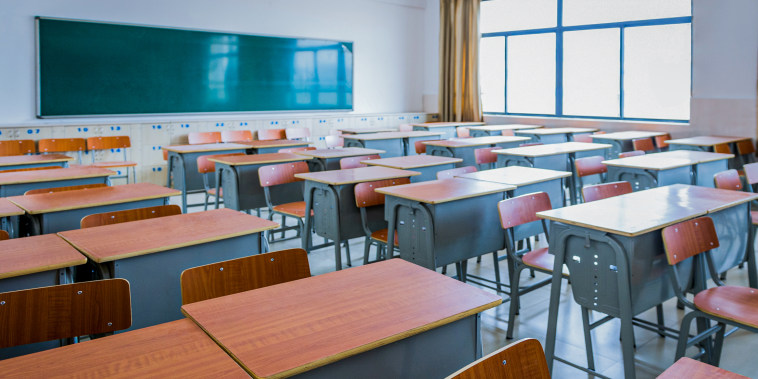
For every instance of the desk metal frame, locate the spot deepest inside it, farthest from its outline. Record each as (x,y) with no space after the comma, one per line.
(18,189)
(182,172)
(700,174)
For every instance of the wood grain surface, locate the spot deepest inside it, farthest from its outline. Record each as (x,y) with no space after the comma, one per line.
(391,135)
(340,152)
(493,128)
(22,256)
(9,209)
(205,147)
(516,175)
(477,141)
(705,140)
(356,175)
(128,215)
(549,131)
(274,143)
(242,160)
(412,161)
(552,149)
(628,135)
(30,159)
(691,369)
(441,191)
(37,176)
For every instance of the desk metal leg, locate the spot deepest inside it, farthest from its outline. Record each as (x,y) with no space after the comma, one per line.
(338,236)
(219,174)
(752,272)
(573,178)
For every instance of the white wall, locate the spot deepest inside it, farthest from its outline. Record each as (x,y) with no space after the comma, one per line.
(388,37)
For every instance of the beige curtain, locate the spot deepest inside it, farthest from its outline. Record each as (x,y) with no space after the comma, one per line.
(459,98)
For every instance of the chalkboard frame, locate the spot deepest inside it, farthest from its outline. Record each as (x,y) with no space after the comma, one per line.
(38,78)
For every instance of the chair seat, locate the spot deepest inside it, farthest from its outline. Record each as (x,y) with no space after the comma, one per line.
(381,236)
(296,209)
(114,164)
(539,259)
(212,192)
(738,304)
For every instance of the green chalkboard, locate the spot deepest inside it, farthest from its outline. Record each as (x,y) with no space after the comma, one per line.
(91,68)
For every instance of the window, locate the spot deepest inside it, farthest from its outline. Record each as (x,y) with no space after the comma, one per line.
(610,59)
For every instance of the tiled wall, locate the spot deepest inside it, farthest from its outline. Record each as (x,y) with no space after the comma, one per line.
(148,138)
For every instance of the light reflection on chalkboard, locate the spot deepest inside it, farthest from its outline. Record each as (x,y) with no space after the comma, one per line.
(222,67)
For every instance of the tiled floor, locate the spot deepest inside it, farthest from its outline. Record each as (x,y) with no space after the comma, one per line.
(653,353)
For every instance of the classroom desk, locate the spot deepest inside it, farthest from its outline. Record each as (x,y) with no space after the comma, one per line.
(527,180)
(394,144)
(445,221)
(706,143)
(175,349)
(463,148)
(167,246)
(16,183)
(237,179)
(182,165)
(272,146)
(12,162)
(670,167)
(365,130)
(497,130)
(329,159)
(692,369)
(553,135)
(622,141)
(615,255)
(397,320)
(54,212)
(9,213)
(448,129)
(331,196)
(559,156)
(426,165)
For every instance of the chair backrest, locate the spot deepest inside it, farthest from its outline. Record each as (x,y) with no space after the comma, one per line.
(522,359)
(17,147)
(298,133)
(745,147)
(294,149)
(271,134)
(32,169)
(586,138)
(274,175)
(660,141)
(751,172)
(632,153)
(61,145)
(334,141)
(63,189)
(462,132)
(485,155)
(243,274)
(644,144)
(507,132)
(605,190)
(64,311)
(105,143)
(722,148)
(355,162)
(366,196)
(689,238)
(117,217)
(530,144)
(198,138)
(205,166)
(405,128)
(590,165)
(599,132)
(729,180)
(453,172)
(420,147)
(4,235)
(236,136)
(522,209)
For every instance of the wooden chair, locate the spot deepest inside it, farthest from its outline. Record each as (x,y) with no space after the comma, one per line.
(729,179)
(746,151)
(62,189)
(633,153)
(17,147)
(462,132)
(117,217)
(522,359)
(294,149)
(590,166)
(271,134)
(236,136)
(585,138)
(114,144)
(722,148)
(751,175)
(355,162)
(301,134)
(4,235)
(660,141)
(280,175)
(366,197)
(333,141)
(453,172)
(732,305)
(605,190)
(243,274)
(485,158)
(32,169)
(644,144)
(692,369)
(420,146)
(199,138)
(207,169)
(64,311)
(63,145)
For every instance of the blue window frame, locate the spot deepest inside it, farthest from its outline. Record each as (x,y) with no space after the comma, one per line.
(500,39)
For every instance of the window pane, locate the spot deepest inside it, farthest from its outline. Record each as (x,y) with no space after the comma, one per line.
(507,15)
(591,73)
(531,74)
(492,73)
(657,62)
(581,12)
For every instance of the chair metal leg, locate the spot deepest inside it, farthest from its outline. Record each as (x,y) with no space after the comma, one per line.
(684,335)
(366,249)
(659,314)
(347,254)
(718,343)
(588,338)
(496,262)
(514,305)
